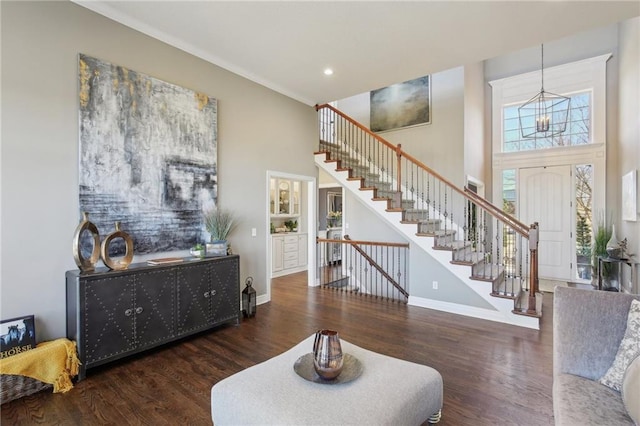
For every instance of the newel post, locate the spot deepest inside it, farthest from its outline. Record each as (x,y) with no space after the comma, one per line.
(533,267)
(399,157)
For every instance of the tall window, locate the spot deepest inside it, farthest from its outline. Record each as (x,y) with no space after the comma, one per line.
(584,197)
(578,127)
(509,191)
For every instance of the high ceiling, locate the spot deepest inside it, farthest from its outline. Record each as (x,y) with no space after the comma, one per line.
(287,45)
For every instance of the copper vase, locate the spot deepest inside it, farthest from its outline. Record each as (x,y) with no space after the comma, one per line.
(327,354)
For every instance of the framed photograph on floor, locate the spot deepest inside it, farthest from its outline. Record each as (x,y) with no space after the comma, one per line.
(17,335)
(401,105)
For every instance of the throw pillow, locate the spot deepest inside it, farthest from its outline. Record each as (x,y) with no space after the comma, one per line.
(631,390)
(628,350)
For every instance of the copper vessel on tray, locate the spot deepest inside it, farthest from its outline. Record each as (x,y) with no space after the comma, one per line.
(327,354)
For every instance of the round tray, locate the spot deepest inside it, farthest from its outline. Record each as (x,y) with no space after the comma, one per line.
(351,370)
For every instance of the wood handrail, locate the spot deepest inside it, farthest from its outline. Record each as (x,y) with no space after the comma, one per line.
(528,232)
(518,226)
(358,125)
(514,223)
(363,243)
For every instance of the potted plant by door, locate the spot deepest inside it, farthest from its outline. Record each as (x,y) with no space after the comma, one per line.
(601,235)
(219,224)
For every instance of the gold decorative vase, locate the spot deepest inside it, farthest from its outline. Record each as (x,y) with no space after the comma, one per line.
(128,256)
(86,264)
(327,354)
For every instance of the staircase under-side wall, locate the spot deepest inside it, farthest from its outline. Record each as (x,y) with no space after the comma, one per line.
(486,249)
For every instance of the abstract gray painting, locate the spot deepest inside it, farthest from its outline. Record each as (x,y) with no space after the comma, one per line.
(401,105)
(148,156)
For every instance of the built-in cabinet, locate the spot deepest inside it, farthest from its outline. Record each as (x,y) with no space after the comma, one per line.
(288,253)
(288,239)
(284,197)
(112,314)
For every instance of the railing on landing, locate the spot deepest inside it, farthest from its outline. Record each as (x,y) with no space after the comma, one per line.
(370,268)
(497,246)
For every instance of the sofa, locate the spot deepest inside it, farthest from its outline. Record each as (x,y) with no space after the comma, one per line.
(588,327)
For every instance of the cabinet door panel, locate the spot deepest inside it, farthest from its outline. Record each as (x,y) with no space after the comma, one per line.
(225,300)
(193,297)
(109,314)
(277,254)
(154,307)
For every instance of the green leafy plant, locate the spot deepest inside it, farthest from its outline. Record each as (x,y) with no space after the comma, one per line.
(601,235)
(198,250)
(291,224)
(219,223)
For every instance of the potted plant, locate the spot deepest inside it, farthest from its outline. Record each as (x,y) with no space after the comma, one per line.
(291,225)
(219,224)
(601,235)
(334,219)
(197,251)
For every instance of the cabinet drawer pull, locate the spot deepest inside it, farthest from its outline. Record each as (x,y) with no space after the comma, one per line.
(128,312)
(206,294)
(139,310)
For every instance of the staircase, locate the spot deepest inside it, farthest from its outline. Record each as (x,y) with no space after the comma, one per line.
(488,250)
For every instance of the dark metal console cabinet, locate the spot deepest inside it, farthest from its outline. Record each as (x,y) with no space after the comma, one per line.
(113,314)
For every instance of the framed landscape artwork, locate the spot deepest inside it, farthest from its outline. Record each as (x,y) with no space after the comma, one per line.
(148,156)
(401,105)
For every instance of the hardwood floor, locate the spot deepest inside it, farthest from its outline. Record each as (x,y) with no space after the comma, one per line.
(494,374)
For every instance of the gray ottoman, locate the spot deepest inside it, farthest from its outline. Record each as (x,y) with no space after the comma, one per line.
(390,391)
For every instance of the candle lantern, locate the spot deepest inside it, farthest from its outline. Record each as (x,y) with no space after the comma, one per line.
(248,299)
(546,114)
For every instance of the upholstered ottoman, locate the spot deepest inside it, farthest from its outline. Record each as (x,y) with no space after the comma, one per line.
(389,391)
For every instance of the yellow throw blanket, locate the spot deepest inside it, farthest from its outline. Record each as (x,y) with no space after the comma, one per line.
(53,362)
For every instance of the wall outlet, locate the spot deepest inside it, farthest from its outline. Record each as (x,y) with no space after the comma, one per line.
(435,285)
(254,232)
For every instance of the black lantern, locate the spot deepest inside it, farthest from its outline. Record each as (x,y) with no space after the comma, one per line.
(248,299)
(546,114)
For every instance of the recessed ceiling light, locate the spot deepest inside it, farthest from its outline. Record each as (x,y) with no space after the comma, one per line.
(328,71)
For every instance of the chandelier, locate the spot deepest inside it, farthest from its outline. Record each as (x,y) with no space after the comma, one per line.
(545,114)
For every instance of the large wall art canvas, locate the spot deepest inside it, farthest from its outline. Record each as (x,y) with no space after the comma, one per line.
(148,156)
(401,105)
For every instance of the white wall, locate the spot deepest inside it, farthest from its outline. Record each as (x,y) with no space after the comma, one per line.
(440,145)
(39,175)
(476,156)
(629,122)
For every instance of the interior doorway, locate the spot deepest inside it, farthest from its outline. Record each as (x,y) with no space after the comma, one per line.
(305,218)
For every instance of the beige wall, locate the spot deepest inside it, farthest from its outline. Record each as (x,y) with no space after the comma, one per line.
(629,123)
(475,155)
(439,145)
(39,175)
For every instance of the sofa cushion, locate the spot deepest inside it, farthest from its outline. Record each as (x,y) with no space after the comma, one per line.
(629,349)
(580,401)
(631,390)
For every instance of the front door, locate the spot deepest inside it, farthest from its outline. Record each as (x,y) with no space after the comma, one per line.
(545,197)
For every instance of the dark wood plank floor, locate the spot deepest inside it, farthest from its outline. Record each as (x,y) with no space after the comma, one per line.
(494,374)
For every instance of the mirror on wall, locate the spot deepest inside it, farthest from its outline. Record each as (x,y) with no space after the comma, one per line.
(334,201)
(334,209)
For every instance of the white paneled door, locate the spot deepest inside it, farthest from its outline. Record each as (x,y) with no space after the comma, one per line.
(545,197)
